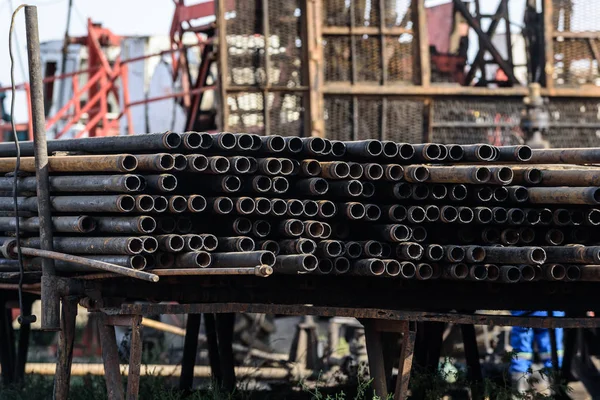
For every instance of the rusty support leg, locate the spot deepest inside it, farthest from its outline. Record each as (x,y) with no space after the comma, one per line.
(23,345)
(6,345)
(135,358)
(190,351)
(472,356)
(66,337)
(224,324)
(213,348)
(389,342)
(376,363)
(435,337)
(406,359)
(110,356)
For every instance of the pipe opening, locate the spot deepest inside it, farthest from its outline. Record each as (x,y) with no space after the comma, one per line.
(312,167)
(133,183)
(149,244)
(414,251)
(545,216)
(260,183)
(126,203)
(202,259)
(558,272)
(317,145)
(227,140)
(432,151)
(455,152)
(524,153)
(338,149)
(357,210)
(521,194)
(420,192)
(309,207)
(435,252)
(197,203)
(443,152)
(224,205)
(516,216)
(148,224)
(593,217)
(256,142)
(144,203)
(408,270)
(461,271)
(527,273)
(87,224)
(193,140)
(178,204)
(242,165)
(276,143)
(199,162)
(533,176)
(420,174)
(325,266)
(161,204)
(373,171)
(341,265)
(287,166)
(327,209)
(221,165)
(137,262)
(532,216)
(314,229)
(484,215)
(500,215)
(242,226)
(356,170)
(394,172)
(260,229)
(538,256)
(210,242)
(390,149)
(597,195)
(377,267)
(482,174)
(457,254)
(168,182)
(180,162)
(419,234)
(320,186)
(459,192)
(263,206)
(372,212)
(449,213)
(245,205)
(392,267)
(334,248)
(195,242)
(465,215)
(176,243)
(401,233)
(307,246)
(555,237)
(246,244)
(295,227)
(273,166)
(310,262)
(490,235)
(281,185)
(373,249)
(485,193)
(398,213)
(341,169)
(416,214)
(477,253)
(353,249)
(294,144)
(510,236)
(207,140)
(562,216)
(354,188)
(493,272)
(513,274)
(577,217)
(480,272)
(270,245)
(129,163)
(500,194)
(374,147)
(505,175)
(172,140)
(406,151)
(368,189)
(485,152)
(424,271)
(278,207)
(245,141)
(439,192)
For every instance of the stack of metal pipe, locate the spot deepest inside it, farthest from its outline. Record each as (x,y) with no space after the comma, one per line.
(177,204)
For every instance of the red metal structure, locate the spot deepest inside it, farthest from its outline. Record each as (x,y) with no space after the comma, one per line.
(106,78)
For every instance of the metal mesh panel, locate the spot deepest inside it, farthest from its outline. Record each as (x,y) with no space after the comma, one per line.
(366,12)
(477,121)
(368,59)
(404,122)
(336,13)
(574,123)
(285,45)
(399,55)
(576,58)
(245,45)
(403,119)
(286,113)
(246,112)
(336,50)
(338,117)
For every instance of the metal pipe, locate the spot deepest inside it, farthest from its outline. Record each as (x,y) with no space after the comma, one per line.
(313,229)
(426,151)
(527,273)
(510,274)
(295,264)
(420,192)
(416,214)
(144,203)
(373,171)
(500,194)
(564,195)
(291,228)
(514,153)
(335,170)
(448,214)
(310,208)
(193,242)
(92,245)
(573,254)
(393,172)
(311,168)
(278,207)
(327,209)
(456,271)
(459,174)
(77,224)
(88,163)
(263,206)
(195,259)
(341,265)
(416,173)
(364,148)
(261,229)
(527,176)
(434,252)
(484,194)
(196,162)
(236,244)
(529,255)
(312,186)
(259,184)
(86,183)
(368,267)
(330,248)
(50,297)
(269,245)
(297,246)
(565,156)
(474,254)
(493,272)
(409,251)
(191,140)
(161,183)
(424,272)
(210,241)
(352,249)
(406,151)
(478,152)
(350,188)
(510,237)
(161,162)
(372,212)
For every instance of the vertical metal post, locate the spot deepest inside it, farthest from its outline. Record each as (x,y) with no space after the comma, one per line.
(423,41)
(50,296)
(66,338)
(354,71)
(548,10)
(267,85)
(190,351)
(222,63)
(384,69)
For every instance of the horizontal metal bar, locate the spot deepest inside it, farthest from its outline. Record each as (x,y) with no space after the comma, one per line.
(364,30)
(477,319)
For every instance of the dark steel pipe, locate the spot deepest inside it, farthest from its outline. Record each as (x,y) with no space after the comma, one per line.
(170,243)
(210,241)
(524,255)
(124,225)
(448,214)
(194,259)
(278,207)
(263,206)
(236,244)
(219,205)
(372,213)
(371,248)
(368,267)
(424,271)
(434,252)
(161,183)
(295,264)
(258,184)
(77,224)
(334,170)
(192,242)
(312,186)
(406,151)
(416,215)
(478,272)
(456,271)
(310,208)
(420,192)
(297,246)
(409,251)
(484,194)
(242,226)
(313,229)
(160,162)
(573,254)
(564,195)
(291,228)
(364,148)
(269,245)
(92,245)
(459,174)
(416,173)
(482,215)
(478,152)
(261,229)
(327,209)
(311,168)
(352,210)
(88,163)
(330,248)
(352,250)
(510,237)
(427,152)
(86,183)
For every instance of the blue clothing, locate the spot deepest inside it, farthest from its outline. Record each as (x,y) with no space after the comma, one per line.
(522,339)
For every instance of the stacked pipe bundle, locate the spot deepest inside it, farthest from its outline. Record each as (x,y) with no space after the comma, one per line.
(179,203)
